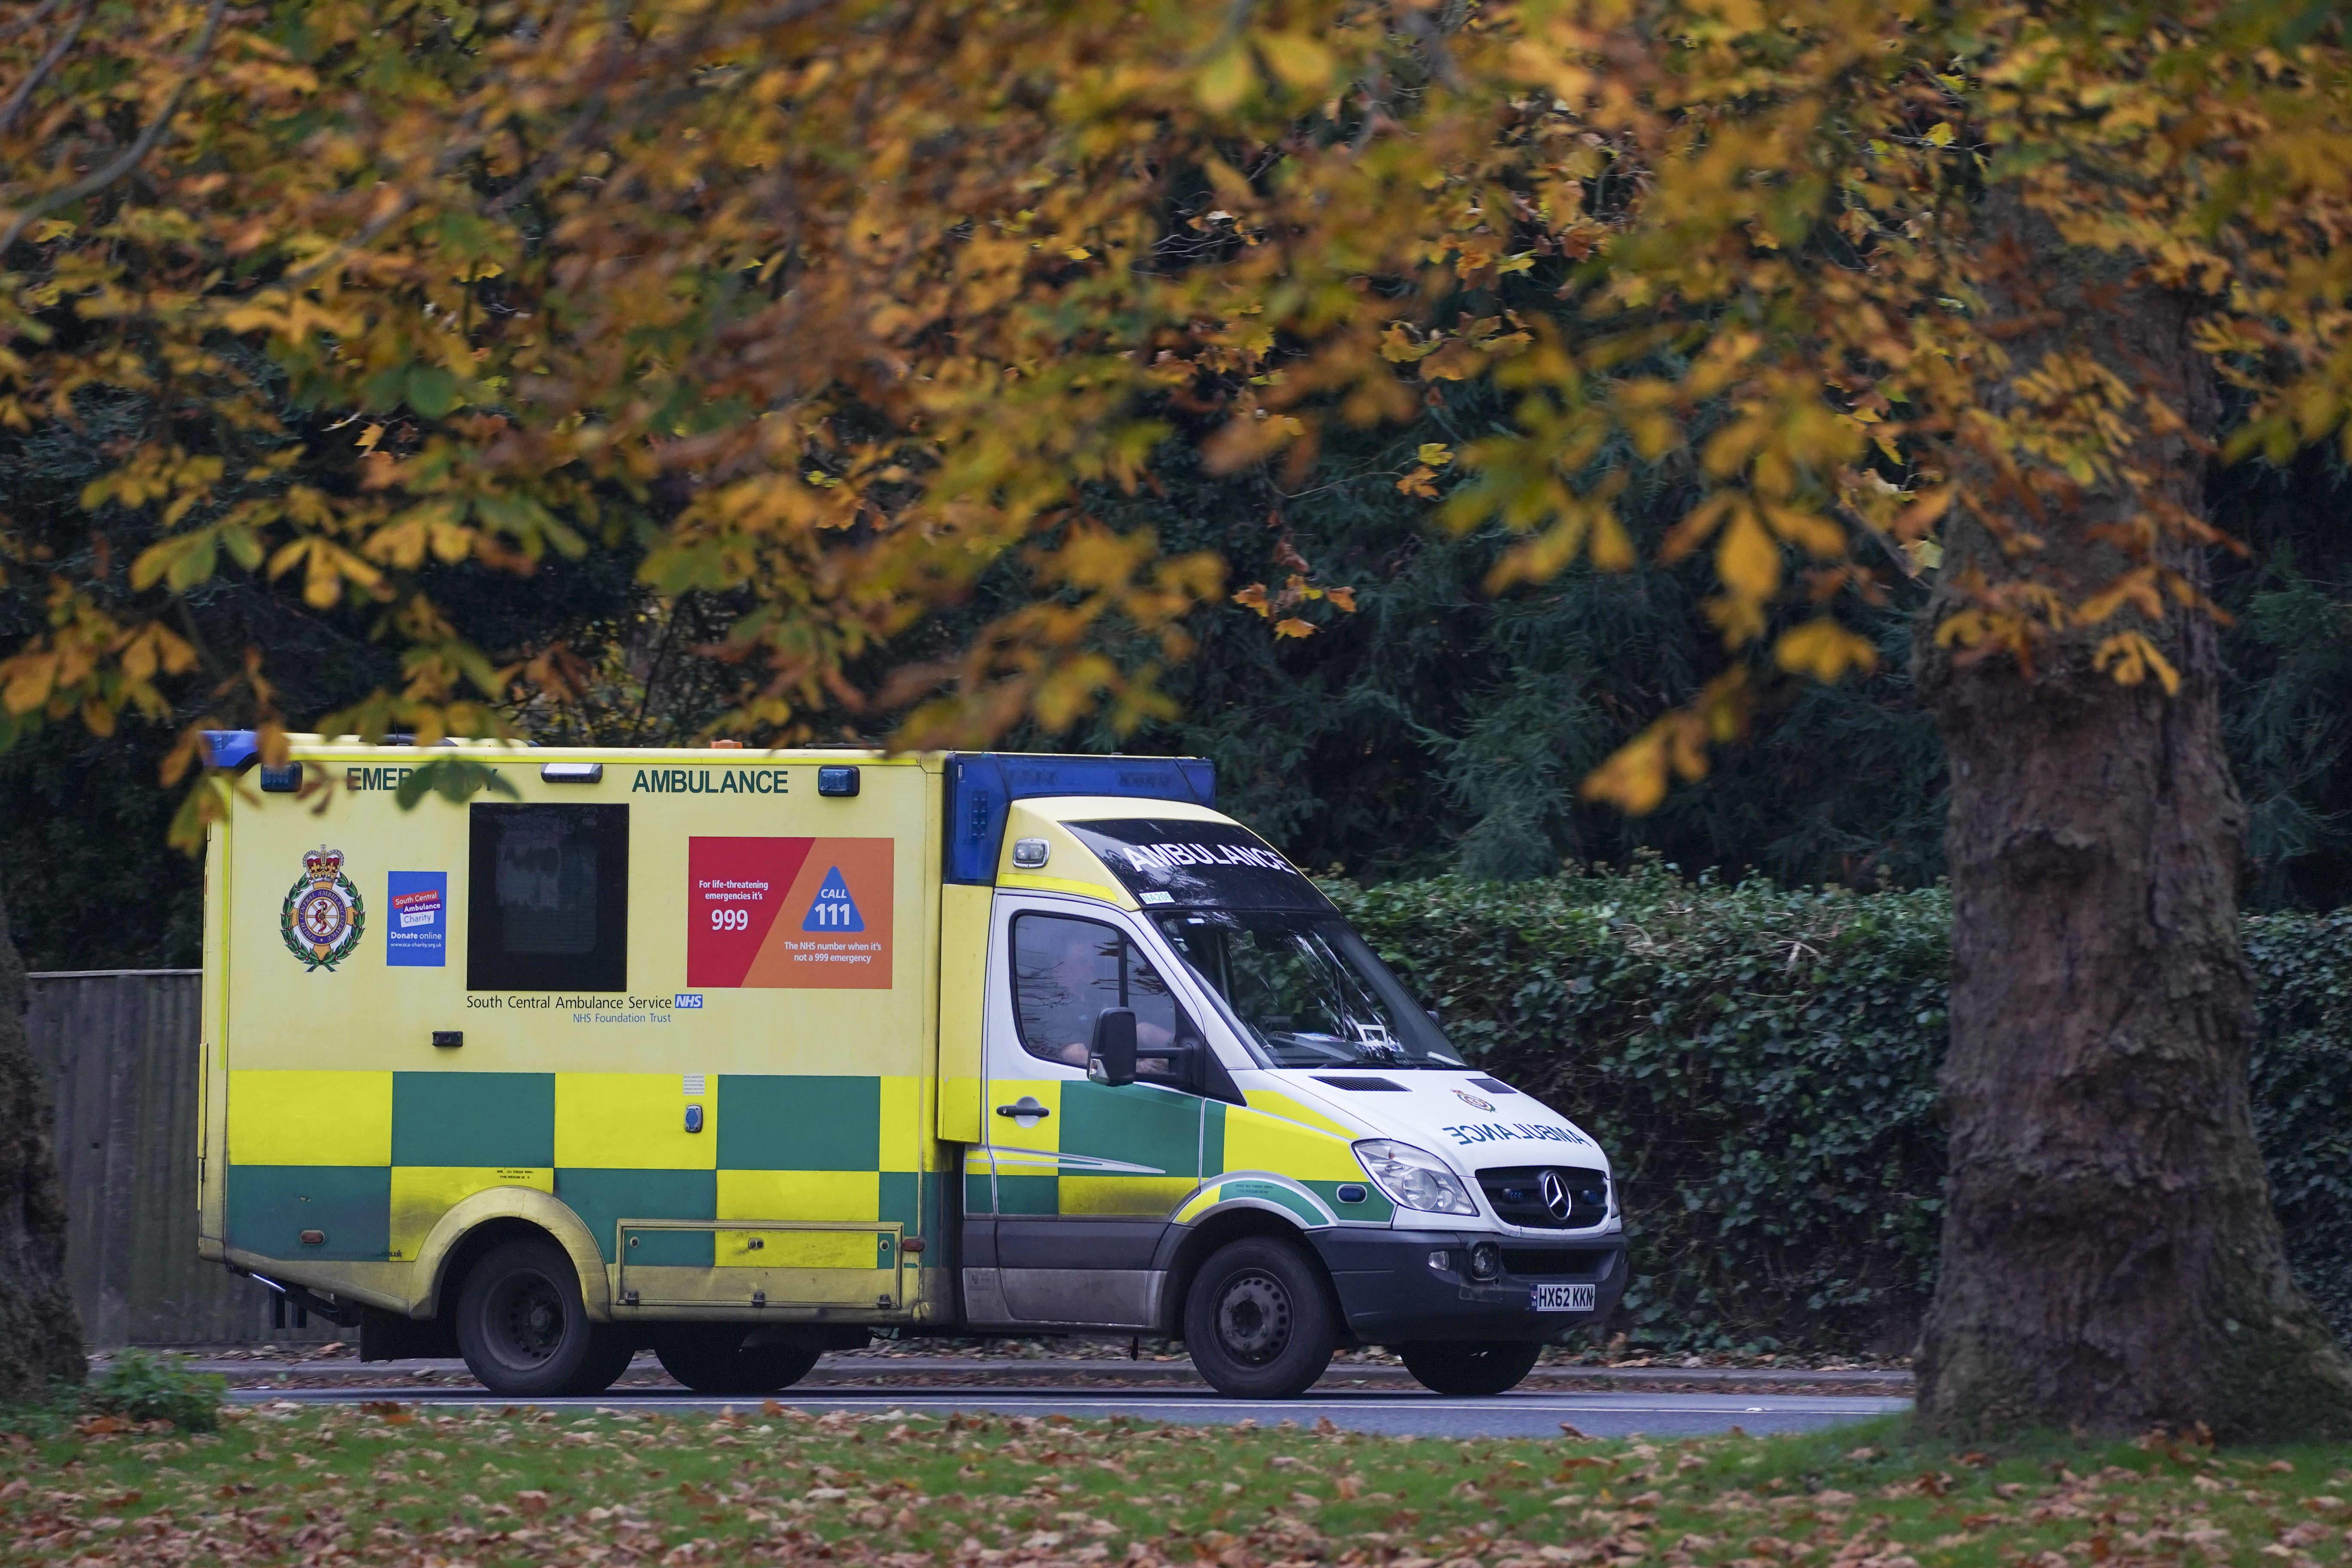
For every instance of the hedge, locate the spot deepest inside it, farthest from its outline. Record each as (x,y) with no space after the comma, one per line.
(1761,1064)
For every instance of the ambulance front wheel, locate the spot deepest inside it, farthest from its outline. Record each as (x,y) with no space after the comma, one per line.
(1444,1366)
(523,1330)
(1258,1320)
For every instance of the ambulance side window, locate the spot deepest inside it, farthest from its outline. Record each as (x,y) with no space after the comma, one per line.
(549,899)
(1065,971)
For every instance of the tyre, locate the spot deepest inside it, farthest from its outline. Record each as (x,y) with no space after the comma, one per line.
(523,1330)
(1258,1320)
(716,1361)
(610,1358)
(1448,1366)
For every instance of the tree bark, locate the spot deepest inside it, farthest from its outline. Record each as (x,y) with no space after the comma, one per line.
(40,1337)
(2110,1259)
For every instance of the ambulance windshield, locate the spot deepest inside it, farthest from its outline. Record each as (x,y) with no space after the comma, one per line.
(1307,990)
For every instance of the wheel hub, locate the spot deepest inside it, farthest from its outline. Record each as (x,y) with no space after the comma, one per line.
(530,1321)
(1254,1318)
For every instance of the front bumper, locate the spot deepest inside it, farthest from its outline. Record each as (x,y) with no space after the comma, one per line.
(1389,1294)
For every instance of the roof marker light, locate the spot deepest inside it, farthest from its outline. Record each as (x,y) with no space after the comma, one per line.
(982,785)
(572,772)
(230,748)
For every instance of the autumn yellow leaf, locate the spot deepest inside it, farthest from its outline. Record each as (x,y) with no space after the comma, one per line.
(1611,548)
(1298,59)
(29,678)
(517,363)
(2130,658)
(1225,80)
(1400,347)
(2137,588)
(1809,530)
(1747,560)
(1824,650)
(1633,778)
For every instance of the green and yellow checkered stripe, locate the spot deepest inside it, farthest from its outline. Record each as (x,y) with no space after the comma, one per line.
(1192,1141)
(373,1160)
(1140,1124)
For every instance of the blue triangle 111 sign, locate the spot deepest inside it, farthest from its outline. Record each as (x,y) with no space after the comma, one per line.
(833,909)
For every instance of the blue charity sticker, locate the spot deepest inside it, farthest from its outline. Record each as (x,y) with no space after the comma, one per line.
(418,934)
(833,909)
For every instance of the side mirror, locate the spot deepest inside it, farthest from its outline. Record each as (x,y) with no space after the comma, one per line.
(1112,1058)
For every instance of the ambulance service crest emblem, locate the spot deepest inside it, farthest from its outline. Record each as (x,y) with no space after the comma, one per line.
(1466,1098)
(322,918)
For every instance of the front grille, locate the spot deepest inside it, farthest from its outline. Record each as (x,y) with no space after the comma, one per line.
(1562,1262)
(1516,1193)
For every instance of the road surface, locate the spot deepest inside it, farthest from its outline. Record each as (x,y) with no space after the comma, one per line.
(1615,1414)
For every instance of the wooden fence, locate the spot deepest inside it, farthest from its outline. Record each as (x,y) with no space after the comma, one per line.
(119,1049)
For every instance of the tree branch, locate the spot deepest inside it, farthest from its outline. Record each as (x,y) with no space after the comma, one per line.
(41,69)
(33,18)
(132,155)
(593,112)
(459,146)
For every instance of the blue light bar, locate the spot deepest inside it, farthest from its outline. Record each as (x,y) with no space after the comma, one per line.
(982,787)
(230,748)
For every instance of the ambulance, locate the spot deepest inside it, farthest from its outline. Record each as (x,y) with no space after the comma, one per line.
(743,1057)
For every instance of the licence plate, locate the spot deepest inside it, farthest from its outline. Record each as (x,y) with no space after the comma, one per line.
(1563,1298)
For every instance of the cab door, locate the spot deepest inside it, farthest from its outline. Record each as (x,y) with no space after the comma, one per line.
(1084,1176)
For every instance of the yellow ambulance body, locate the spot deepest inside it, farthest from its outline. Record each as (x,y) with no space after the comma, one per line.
(746,1056)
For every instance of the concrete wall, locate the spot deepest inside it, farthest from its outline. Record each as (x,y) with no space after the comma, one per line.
(119,1048)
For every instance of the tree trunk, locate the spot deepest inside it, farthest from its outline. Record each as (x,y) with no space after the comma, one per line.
(2110,1258)
(40,1338)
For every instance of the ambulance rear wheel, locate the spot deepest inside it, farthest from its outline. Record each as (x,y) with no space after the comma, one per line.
(523,1330)
(1447,1366)
(1258,1320)
(716,1361)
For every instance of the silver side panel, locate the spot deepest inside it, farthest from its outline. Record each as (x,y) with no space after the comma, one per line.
(983,1297)
(1066,1297)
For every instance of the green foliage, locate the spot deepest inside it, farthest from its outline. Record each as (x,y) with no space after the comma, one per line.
(454,779)
(140,1386)
(2303,1095)
(90,883)
(90,880)
(2286,705)
(1760,1065)
(1441,727)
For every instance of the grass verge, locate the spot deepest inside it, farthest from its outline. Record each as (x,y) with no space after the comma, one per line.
(421,1486)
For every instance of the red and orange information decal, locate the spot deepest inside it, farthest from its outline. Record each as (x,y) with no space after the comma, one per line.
(800,913)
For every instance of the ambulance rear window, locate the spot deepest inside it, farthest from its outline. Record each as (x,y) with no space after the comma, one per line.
(550,898)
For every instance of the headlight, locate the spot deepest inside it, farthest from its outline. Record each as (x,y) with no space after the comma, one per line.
(1414,1179)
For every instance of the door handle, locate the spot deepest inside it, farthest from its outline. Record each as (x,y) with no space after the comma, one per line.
(1026,1106)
